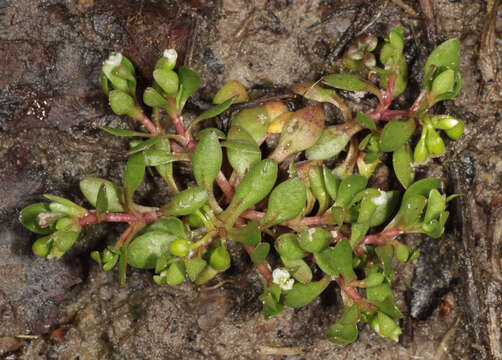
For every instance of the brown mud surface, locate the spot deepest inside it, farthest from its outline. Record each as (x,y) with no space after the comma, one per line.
(51,105)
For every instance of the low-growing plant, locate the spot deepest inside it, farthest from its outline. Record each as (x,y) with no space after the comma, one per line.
(287,198)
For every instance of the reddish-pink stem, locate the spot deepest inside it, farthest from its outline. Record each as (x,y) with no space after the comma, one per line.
(380,239)
(387,114)
(353,294)
(148,124)
(308,221)
(225,186)
(147,217)
(252,214)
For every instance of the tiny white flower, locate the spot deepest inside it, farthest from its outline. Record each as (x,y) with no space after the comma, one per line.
(112,62)
(170,54)
(282,278)
(114,59)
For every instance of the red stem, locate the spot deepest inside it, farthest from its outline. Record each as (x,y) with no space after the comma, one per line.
(225,186)
(353,294)
(148,124)
(147,217)
(252,214)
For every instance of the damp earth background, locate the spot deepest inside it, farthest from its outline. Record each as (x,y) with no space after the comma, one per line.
(51,105)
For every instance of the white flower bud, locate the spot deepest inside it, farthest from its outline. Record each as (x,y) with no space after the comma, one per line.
(170,54)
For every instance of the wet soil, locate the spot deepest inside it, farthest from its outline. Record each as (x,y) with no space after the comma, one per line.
(51,106)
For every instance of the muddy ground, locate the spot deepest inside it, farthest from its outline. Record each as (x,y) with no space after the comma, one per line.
(51,106)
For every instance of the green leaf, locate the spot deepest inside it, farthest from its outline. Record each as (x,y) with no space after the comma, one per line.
(260,253)
(253,120)
(301,131)
(402,160)
(386,327)
(326,261)
(385,202)
(303,294)
(65,206)
(411,209)
(144,145)
(330,182)
(134,173)
(171,225)
(190,82)
(311,91)
(434,143)
(435,228)
(285,202)
(420,153)
(349,187)
(121,103)
(29,218)
(347,82)
(220,259)
(445,55)
(242,146)
(231,90)
(146,249)
(380,293)
(194,267)
(456,132)
(242,150)
(388,307)
(385,254)
(396,38)
(318,188)
(402,252)
(175,274)
(443,82)
(421,187)
(299,269)
(358,230)
(207,160)
(205,275)
(121,132)
(221,135)
(154,157)
(271,306)
(374,279)
(90,187)
(215,110)
(153,99)
(314,239)
(436,204)
(395,134)
(366,121)
(342,334)
(101,200)
(254,187)
(344,331)
(288,248)
(167,80)
(186,202)
(343,260)
(249,234)
(332,141)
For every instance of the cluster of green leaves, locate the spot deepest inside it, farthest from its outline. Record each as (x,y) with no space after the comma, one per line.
(57,220)
(312,215)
